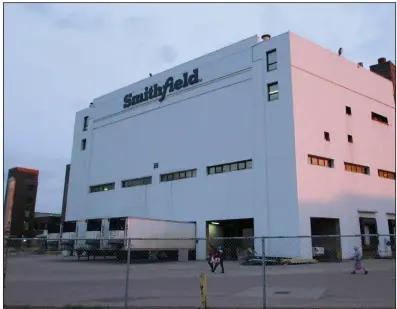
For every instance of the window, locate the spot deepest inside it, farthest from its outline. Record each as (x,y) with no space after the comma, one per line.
(85,125)
(137,182)
(27,213)
(326,136)
(229,167)
(26,225)
(321,161)
(83,144)
(350,139)
(178,175)
(29,200)
(272,90)
(348,110)
(379,118)
(271,59)
(100,188)
(356,168)
(31,187)
(386,174)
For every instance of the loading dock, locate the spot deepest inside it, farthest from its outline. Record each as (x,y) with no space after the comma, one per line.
(228,229)
(332,245)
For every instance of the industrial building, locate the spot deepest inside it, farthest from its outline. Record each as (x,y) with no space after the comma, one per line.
(24,201)
(270,136)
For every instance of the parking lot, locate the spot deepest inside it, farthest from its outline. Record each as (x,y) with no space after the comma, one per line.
(39,280)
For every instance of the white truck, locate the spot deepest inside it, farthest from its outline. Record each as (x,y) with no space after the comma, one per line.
(152,239)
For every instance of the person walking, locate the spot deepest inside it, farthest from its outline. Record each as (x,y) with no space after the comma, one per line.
(219,260)
(211,256)
(358,262)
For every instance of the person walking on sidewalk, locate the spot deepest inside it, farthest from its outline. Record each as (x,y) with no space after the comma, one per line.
(358,262)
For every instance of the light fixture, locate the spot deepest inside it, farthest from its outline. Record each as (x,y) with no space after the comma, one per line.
(216,223)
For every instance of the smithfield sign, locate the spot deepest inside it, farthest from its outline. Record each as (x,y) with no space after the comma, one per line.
(161,92)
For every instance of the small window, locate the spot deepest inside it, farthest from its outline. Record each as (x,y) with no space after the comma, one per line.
(348,110)
(320,161)
(229,167)
(350,139)
(386,174)
(101,188)
(271,59)
(26,226)
(379,118)
(233,167)
(85,125)
(31,187)
(326,136)
(27,213)
(272,90)
(226,168)
(178,175)
(83,144)
(29,200)
(356,168)
(136,182)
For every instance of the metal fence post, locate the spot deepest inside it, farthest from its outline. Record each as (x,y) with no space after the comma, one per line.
(263,274)
(127,277)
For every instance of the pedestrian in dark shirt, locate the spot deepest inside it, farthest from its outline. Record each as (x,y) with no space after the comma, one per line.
(219,260)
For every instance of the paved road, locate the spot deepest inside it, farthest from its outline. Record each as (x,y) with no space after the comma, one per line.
(56,281)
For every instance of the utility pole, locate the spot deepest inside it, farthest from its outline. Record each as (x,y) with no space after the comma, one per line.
(9,203)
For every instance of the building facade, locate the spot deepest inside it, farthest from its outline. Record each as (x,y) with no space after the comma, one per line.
(278,130)
(47,223)
(26,182)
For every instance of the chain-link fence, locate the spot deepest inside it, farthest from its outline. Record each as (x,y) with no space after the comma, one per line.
(316,271)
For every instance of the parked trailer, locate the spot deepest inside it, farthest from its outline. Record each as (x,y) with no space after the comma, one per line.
(72,236)
(151,240)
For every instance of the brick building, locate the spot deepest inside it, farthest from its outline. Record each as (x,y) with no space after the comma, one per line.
(26,182)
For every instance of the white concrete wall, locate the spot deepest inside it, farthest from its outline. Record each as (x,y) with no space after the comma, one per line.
(222,119)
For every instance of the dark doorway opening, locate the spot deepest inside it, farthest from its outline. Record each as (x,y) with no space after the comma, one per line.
(369,244)
(225,230)
(328,248)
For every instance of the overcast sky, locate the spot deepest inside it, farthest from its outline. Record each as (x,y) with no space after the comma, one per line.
(58,57)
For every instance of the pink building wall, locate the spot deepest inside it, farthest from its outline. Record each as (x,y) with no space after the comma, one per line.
(323,84)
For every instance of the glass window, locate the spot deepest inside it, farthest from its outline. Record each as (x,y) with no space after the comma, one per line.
(273,91)
(27,213)
(226,168)
(176,176)
(241,165)
(83,144)
(211,170)
(26,225)
(249,164)
(218,169)
(194,173)
(233,167)
(189,174)
(271,60)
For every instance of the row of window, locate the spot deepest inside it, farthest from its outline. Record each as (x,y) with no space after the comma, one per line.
(143,181)
(349,167)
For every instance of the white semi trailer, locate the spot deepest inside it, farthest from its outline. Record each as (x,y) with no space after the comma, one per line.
(152,239)
(73,234)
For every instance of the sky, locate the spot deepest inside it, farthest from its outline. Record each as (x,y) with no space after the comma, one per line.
(59,57)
